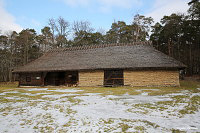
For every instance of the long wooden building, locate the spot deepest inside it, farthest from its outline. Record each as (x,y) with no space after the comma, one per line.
(136,64)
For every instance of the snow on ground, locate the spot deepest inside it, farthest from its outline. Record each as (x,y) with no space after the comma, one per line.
(68,111)
(97,107)
(140,90)
(10,92)
(58,96)
(68,90)
(36,89)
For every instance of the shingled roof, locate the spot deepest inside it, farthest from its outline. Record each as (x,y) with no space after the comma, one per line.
(139,55)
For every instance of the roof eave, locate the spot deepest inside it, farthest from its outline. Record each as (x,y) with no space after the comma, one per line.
(130,68)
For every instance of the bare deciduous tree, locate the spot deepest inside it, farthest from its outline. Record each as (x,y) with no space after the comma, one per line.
(61,27)
(79,26)
(52,24)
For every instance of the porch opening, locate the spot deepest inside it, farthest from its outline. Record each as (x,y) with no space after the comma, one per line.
(71,78)
(55,78)
(68,78)
(113,78)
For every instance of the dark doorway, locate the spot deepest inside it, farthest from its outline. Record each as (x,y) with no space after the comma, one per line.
(71,78)
(55,78)
(113,78)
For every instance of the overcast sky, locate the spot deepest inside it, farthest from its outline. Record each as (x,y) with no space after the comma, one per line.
(21,14)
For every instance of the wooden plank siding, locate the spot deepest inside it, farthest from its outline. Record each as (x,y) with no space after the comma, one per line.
(151,78)
(91,78)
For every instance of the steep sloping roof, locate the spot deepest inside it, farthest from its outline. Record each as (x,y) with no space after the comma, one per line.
(114,56)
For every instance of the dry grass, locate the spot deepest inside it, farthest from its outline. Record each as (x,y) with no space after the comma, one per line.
(8,85)
(185,85)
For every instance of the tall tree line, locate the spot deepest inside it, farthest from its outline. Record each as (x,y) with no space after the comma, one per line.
(177,35)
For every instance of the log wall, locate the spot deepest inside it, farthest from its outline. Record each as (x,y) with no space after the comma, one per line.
(151,78)
(91,78)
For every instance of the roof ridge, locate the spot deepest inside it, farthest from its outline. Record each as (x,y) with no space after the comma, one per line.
(85,47)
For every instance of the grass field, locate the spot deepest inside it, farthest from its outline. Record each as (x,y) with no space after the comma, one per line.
(92,109)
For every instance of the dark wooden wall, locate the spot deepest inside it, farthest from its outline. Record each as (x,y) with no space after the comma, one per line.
(68,78)
(30,79)
(71,78)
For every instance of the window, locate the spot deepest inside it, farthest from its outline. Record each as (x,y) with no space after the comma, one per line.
(37,78)
(28,79)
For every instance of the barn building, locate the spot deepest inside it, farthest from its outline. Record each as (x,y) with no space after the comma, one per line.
(136,64)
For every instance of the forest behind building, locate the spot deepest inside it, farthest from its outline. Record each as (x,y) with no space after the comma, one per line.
(177,35)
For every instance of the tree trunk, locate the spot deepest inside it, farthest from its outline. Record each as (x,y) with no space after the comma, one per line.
(190,57)
(169,47)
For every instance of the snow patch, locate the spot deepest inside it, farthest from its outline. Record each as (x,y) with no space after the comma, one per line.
(66,90)
(58,96)
(36,89)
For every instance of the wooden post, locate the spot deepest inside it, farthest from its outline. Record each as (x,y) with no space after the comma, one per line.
(43,75)
(19,80)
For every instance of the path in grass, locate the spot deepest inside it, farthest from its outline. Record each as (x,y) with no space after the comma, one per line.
(99,110)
